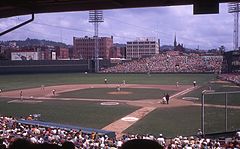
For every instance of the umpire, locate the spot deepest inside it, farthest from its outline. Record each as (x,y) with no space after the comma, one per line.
(167,98)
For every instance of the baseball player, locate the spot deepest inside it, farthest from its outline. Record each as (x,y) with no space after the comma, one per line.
(194,83)
(42,87)
(118,88)
(177,84)
(54,92)
(105,80)
(21,95)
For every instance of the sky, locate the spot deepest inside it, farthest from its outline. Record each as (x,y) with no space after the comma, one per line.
(193,31)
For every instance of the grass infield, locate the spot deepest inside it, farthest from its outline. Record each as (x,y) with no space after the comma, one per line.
(103,93)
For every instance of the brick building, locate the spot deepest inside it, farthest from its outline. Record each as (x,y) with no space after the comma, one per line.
(83,47)
(62,53)
(45,52)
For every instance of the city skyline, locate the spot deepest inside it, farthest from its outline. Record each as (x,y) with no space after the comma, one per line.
(203,31)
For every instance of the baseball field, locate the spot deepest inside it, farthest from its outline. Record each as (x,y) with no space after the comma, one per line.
(132,107)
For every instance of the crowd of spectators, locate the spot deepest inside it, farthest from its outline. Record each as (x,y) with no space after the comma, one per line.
(10,129)
(14,135)
(232,77)
(170,63)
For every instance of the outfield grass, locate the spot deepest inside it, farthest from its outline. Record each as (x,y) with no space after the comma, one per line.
(11,82)
(233,99)
(103,93)
(183,121)
(80,113)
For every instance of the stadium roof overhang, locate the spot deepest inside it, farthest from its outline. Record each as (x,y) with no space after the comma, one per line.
(10,8)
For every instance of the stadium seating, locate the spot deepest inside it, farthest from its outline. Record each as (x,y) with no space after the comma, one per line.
(14,135)
(235,78)
(169,63)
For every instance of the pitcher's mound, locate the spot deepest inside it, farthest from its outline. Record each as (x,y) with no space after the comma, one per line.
(119,93)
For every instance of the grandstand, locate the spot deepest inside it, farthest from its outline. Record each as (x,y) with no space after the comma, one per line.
(186,63)
(232,77)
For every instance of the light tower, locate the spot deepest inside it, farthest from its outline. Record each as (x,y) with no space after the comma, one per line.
(235,8)
(96,17)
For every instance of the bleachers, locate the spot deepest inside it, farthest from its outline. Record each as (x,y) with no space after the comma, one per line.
(187,63)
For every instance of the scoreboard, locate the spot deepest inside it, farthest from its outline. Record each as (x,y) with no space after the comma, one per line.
(231,61)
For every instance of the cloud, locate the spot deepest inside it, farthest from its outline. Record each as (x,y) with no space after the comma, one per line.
(207,31)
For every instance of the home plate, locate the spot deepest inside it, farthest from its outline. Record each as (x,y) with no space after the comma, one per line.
(130,119)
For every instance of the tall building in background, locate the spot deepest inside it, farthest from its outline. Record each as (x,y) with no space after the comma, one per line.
(83,47)
(142,47)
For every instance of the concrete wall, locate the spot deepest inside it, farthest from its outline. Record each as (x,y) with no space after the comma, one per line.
(44,66)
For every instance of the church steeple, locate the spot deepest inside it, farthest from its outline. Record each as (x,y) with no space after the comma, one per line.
(175,41)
